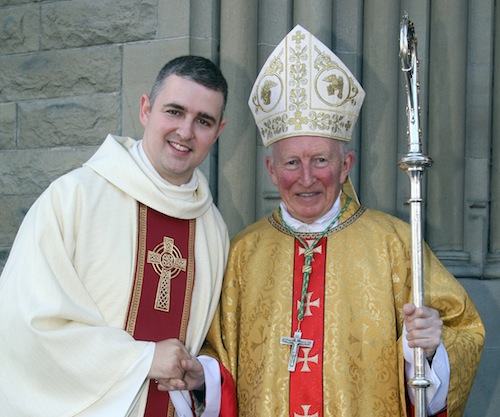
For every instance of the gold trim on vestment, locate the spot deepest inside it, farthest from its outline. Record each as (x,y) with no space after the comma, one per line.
(141,256)
(189,281)
(304,235)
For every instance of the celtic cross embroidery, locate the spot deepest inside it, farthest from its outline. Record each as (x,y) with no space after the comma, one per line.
(167,262)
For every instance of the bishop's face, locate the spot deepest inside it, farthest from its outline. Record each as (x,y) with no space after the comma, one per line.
(180,127)
(309,172)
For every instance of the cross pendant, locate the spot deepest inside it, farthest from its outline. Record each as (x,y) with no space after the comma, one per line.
(296,341)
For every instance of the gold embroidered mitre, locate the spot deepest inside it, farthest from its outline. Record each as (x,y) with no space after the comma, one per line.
(304,89)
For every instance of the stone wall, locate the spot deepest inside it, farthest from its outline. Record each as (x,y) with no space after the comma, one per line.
(70,73)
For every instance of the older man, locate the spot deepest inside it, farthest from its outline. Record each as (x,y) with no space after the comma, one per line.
(315,318)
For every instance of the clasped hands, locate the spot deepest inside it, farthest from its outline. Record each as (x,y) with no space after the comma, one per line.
(174,368)
(424,328)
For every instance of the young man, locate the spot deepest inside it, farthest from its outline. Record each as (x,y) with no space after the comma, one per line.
(315,318)
(116,271)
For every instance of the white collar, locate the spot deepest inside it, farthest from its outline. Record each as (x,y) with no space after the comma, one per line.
(191,184)
(317,225)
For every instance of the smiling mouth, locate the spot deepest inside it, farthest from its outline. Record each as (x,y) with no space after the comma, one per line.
(307,194)
(179,147)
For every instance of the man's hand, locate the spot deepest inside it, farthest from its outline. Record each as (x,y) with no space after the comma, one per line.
(167,360)
(424,328)
(174,368)
(193,377)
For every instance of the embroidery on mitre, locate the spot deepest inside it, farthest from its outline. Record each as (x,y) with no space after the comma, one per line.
(305,89)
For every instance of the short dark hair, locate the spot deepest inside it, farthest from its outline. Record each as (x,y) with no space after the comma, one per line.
(196,68)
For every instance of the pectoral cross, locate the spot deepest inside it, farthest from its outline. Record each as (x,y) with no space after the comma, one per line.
(296,342)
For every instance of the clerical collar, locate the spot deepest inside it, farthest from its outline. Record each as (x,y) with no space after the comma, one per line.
(191,184)
(317,225)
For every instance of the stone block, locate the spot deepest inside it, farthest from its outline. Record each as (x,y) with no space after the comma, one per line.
(484,399)
(205,47)
(178,24)
(79,23)
(4,253)
(64,73)
(14,208)
(141,64)
(77,121)
(12,2)
(29,172)
(7,126)
(17,29)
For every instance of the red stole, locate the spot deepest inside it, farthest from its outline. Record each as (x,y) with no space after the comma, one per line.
(161,294)
(306,382)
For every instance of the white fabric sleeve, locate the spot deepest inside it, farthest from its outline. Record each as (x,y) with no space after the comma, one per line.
(121,398)
(438,375)
(182,399)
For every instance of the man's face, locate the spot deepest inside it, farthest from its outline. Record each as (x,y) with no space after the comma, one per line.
(180,127)
(309,172)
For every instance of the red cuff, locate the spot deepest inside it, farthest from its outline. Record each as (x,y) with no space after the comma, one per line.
(228,402)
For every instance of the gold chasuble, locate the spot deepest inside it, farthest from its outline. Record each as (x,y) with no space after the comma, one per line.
(349,360)
(163,285)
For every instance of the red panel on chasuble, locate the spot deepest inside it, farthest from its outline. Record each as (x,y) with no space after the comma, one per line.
(306,382)
(161,295)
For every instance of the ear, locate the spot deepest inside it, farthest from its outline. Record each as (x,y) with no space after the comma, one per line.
(349,159)
(145,109)
(221,127)
(271,170)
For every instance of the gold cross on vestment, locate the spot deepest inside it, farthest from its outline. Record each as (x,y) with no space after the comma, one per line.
(167,261)
(296,342)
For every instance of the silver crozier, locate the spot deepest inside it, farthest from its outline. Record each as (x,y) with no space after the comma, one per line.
(414,164)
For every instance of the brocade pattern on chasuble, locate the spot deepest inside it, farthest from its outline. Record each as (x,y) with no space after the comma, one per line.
(367,264)
(161,295)
(360,373)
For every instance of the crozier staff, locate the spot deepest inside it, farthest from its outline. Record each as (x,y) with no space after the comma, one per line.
(414,164)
